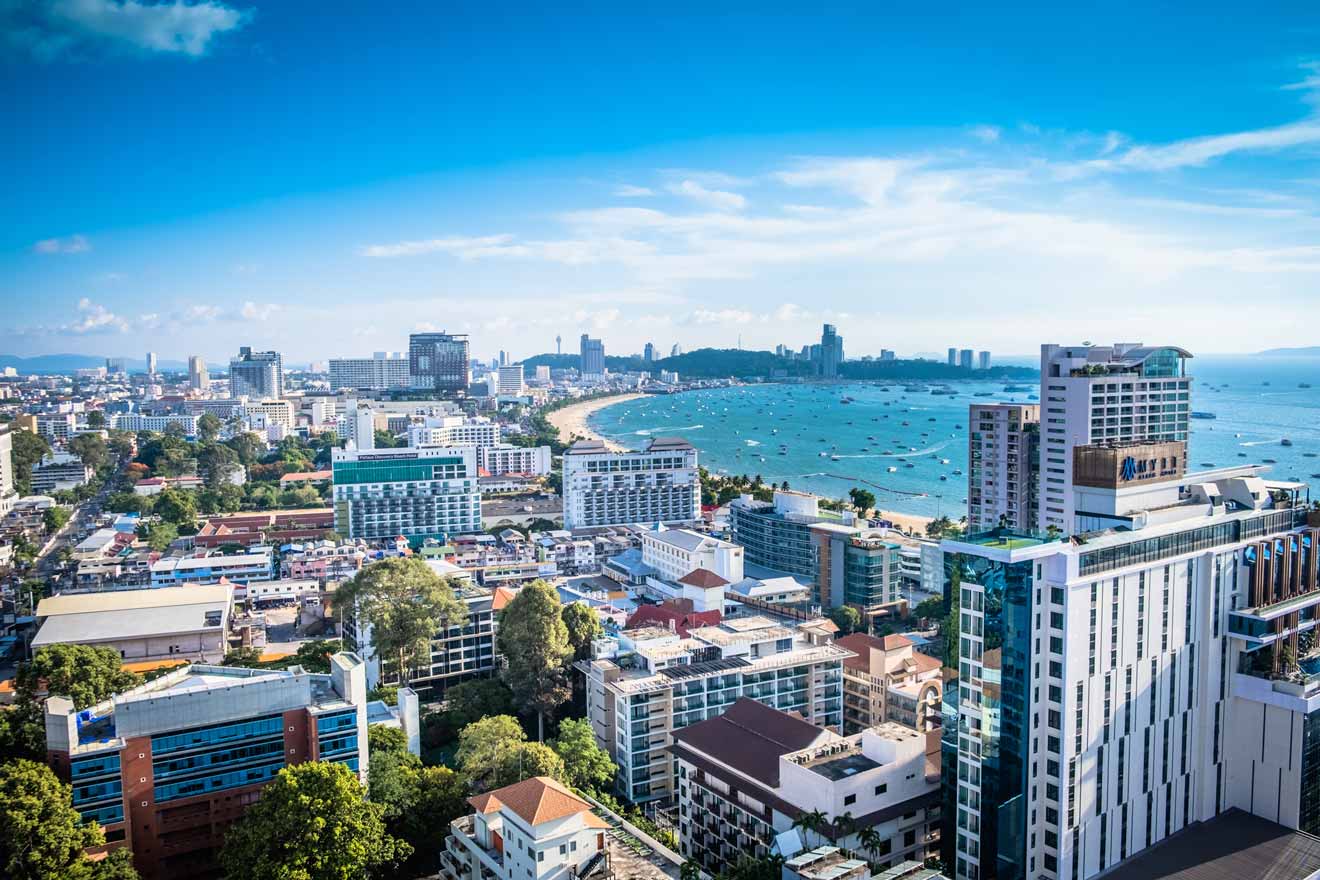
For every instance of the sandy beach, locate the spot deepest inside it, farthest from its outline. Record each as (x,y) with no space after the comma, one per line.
(572,420)
(905,521)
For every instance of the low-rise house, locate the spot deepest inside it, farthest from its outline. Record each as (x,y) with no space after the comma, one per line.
(241,568)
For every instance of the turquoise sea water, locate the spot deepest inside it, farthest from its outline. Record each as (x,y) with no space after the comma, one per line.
(923,437)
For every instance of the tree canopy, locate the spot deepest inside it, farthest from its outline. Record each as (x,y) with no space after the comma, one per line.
(583,626)
(534,642)
(847,618)
(586,764)
(312,822)
(41,835)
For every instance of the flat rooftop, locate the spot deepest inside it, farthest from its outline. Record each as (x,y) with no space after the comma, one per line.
(1232,846)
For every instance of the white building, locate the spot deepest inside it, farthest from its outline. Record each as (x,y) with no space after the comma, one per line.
(57,427)
(8,495)
(417,493)
(377,373)
(606,487)
(59,470)
(676,552)
(454,431)
(1137,680)
(1108,394)
(509,380)
(198,377)
(1003,465)
(645,683)
(746,775)
(543,373)
(504,458)
(357,424)
(263,414)
(135,422)
(240,568)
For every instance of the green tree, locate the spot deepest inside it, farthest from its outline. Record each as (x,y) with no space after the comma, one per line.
(96,419)
(391,764)
(929,609)
(247,446)
(158,535)
(246,657)
(54,518)
(436,797)
(217,464)
(534,642)
(586,764)
(313,822)
(91,449)
(83,673)
(405,603)
(862,500)
(583,626)
(126,502)
(208,427)
(847,618)
(26,450)
(117,865)
(176,507)
(387,694)
(528,760)
(482,746)
(41,836)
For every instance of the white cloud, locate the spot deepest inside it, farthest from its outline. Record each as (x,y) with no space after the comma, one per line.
(251,311)
(986,134)
(463,247)
(95,318)
(716,199)
(720,316)
(201,313)
(72,244)
(50,30)
(628,191)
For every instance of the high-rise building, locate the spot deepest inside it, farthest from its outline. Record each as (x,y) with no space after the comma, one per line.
(777,534)
(439,362)
(357,425)
(1106,395)
(604,487)
(886,354)
(591,356)
(648,353)
(675,350)
(383,370)
(115,366)
(542,372)
(454,431)
(1121,686)
(645,683)
(256,374)
(953,357)
(559,344)
(151,363)
(1003,473)
(198,378)
(509,380)
(831,352)
(965,359)
(167,767)
(983,360)
(410,492)
(504,358)
(8,495)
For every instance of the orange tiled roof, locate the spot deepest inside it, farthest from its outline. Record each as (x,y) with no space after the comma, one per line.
(702,578)
(536,800)
(502,597)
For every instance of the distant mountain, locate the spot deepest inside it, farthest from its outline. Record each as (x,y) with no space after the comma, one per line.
(1309,351)
(51,364)
(717,363)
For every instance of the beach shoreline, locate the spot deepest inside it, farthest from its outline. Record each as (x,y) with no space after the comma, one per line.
(571,421)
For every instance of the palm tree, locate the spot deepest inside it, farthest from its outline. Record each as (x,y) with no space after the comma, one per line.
(870,840)
(844,825)
(815,821)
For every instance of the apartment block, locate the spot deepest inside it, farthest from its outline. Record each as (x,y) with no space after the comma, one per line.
(504,458)
(239,568)
(166,767)
(644,684)
(1003,475)
(414,493)
(439,362)
(135,422)
(384,371)
(605,487)
(454,431)
(256,374)
(888,680)
(748,776)
(777,534)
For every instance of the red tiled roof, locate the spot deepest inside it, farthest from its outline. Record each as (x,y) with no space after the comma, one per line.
(703,578)
(663,615)
(536,800)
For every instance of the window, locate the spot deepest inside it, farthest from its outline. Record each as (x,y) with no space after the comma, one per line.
(882,788)
(849,800)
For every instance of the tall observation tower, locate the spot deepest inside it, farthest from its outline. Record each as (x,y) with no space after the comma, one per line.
(559,345)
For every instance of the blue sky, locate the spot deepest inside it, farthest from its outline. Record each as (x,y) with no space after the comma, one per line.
(325,178)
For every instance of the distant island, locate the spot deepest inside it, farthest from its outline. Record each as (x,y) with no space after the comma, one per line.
(721,363)
(1308,351)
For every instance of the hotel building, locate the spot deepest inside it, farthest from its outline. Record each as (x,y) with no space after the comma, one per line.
(604,487)
(1003,474)
(439,362)
(1103,394)
(378,373)
(256,374)
(166,767)
(644,684)
(417,493)
(1121,686)
(888,680)
(454,431)
(777,534)
(135,422)
(747,776)
(505,458)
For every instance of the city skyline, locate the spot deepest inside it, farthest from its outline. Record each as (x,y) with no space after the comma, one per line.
(928,194)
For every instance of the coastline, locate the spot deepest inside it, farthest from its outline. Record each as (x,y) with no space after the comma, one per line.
(571,421)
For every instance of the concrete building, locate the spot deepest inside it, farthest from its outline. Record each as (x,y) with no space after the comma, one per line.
(777,534)
(538,829)
(458,653)
(644,684)
(8,494)
(953,357)
(198,377)
(1122,686)
(591,356)
(151,363)
(831,352)
(888,680)
(59,470)
(410,492)
(190,621)
(240,568)
(256,374)
(439,362)
(748,776)
(648,353)
(983,360)
(858,567)
(509,380)
(1003,473)
(507,459)
(357,425)
(382,371)
(1104,394)
(606,487)
(262,414)
(454,431)
(965,359)
(167,767)
(57,427)
(135,422)
(543,373)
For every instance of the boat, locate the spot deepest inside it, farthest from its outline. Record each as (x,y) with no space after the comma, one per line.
(944,461)
(943,477)
(1285,442)
(1303,384)
(957,472)
(891,470)
(834,458)
(930,419)
(1212,464)
(1203,415)
(906,424)
(822,454)
(909,464)
(984,394)
(1269,461)
(1308,455)
(1011,389)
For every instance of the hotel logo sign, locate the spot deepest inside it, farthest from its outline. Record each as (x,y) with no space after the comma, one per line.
(1129,469)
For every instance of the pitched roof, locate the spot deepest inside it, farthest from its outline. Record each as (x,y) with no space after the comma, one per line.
(536,800)
(502,597)
(750,737)
(662,615)
(703,578)
(925,662)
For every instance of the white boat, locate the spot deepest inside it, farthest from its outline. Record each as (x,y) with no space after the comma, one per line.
(944,461)
(892,470)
